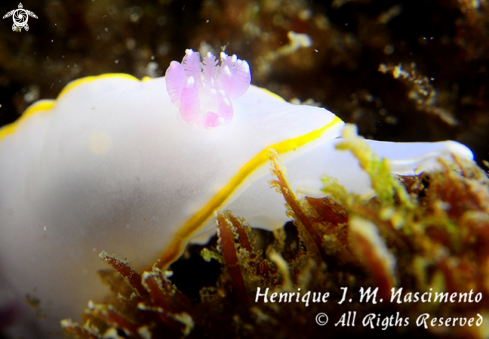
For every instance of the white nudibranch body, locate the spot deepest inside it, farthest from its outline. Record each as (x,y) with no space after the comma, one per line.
(139,169)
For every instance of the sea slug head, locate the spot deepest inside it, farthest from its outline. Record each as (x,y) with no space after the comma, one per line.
(204,91)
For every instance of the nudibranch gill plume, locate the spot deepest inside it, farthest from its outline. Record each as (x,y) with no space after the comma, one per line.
(140,168)
(203,91)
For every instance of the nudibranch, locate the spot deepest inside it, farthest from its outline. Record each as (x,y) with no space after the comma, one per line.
(139,169)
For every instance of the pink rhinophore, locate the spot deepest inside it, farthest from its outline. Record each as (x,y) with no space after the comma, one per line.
(203,90)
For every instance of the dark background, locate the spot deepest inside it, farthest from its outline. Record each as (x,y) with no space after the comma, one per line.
(443,43)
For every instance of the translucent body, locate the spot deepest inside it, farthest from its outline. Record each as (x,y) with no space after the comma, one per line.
(114,165)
